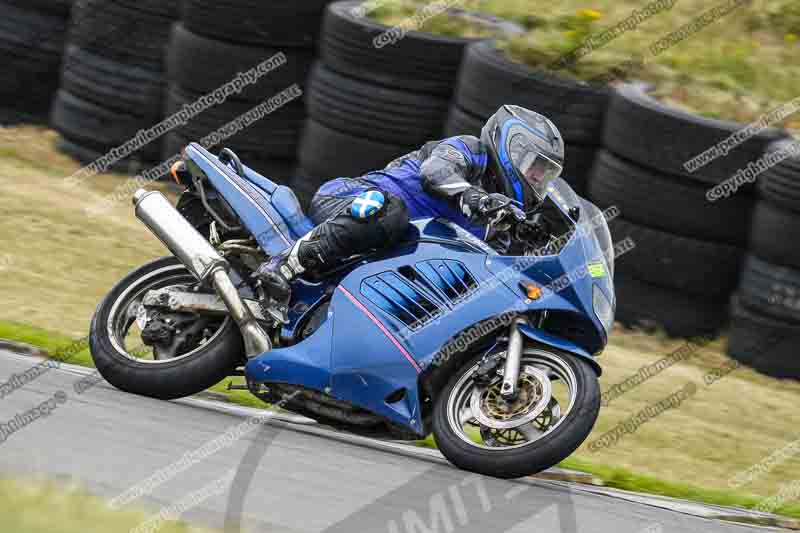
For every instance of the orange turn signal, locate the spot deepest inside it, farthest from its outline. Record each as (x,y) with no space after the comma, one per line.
(178,166)
(533,292)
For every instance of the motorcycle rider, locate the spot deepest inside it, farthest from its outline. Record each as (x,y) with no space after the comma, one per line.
(518,153)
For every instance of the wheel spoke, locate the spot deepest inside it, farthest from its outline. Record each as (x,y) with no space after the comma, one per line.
(125,326)
(547,370)
(488,437)
(555,411)
(530,431)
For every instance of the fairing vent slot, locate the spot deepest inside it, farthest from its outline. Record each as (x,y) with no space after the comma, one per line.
(401,299)
(450,279)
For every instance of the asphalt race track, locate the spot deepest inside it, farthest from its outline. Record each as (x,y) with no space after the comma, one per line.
(274,479)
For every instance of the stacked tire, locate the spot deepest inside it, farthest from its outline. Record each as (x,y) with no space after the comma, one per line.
(689,248)
(489,80)
(765,313)
(374,97)
(32,35)
(215,42)
(112,79)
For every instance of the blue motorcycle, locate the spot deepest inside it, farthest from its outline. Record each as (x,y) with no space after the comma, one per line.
(488,344)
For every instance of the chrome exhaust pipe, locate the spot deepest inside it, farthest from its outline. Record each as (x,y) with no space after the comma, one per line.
(202,260)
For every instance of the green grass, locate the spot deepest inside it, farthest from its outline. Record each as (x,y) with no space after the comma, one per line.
(27,507)
(737,68)
(612,476)
(72,351)
(622,478)
(35,336)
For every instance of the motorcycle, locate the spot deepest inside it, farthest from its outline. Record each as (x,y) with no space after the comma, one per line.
(488,344)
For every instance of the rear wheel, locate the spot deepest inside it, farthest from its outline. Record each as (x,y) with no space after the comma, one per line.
(159,354)
(557,405)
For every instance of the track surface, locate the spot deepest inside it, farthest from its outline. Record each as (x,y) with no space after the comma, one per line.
(288,481)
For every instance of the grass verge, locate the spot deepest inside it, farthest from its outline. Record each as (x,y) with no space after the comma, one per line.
(51,508)
(622,478)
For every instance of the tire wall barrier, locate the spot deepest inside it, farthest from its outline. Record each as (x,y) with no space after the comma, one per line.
(689,242)
(113,80)
(372,98)
(219,39)
(32,36)
(199,65)
(765,312)
(709,254)
(134,72)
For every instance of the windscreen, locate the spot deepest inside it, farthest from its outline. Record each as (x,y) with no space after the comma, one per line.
(591,222)
(594,221)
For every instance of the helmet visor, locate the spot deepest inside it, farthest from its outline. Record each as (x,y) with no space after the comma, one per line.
(534,167)
(527,153)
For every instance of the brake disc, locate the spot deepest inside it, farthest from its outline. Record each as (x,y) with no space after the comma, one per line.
(491,410)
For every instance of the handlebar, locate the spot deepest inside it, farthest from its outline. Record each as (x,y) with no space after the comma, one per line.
(505,217)
(504,207)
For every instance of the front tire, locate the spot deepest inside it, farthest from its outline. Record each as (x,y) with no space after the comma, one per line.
(195,368)
(560,422)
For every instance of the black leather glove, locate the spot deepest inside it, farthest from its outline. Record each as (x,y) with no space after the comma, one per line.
(473,203)
(478,206)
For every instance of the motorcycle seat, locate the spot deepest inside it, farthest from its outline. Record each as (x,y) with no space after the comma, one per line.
(271,212)
(284,201)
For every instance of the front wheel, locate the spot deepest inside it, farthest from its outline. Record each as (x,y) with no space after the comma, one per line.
(555,410)
(184,353)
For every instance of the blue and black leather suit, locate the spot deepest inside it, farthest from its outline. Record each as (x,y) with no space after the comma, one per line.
(427,183)
(518,154)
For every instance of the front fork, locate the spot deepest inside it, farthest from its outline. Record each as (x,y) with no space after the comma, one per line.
(513,357)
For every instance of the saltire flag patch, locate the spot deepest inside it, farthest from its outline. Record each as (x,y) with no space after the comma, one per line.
(367,204)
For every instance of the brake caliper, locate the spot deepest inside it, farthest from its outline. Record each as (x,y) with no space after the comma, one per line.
(487,370)
(158,331)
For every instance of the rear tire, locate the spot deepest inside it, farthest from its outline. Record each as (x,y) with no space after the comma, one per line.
(165,379)
(545,452)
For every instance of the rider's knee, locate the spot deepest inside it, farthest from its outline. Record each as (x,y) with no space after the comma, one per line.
(395,218)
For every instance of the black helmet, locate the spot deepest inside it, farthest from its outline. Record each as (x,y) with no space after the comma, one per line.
(526,152)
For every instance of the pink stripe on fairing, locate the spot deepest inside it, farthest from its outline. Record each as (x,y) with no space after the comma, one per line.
(382,328)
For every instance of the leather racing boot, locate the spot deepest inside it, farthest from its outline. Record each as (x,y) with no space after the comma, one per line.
(274,276)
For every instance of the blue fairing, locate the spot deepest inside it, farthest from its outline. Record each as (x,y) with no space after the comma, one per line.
(389,316)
